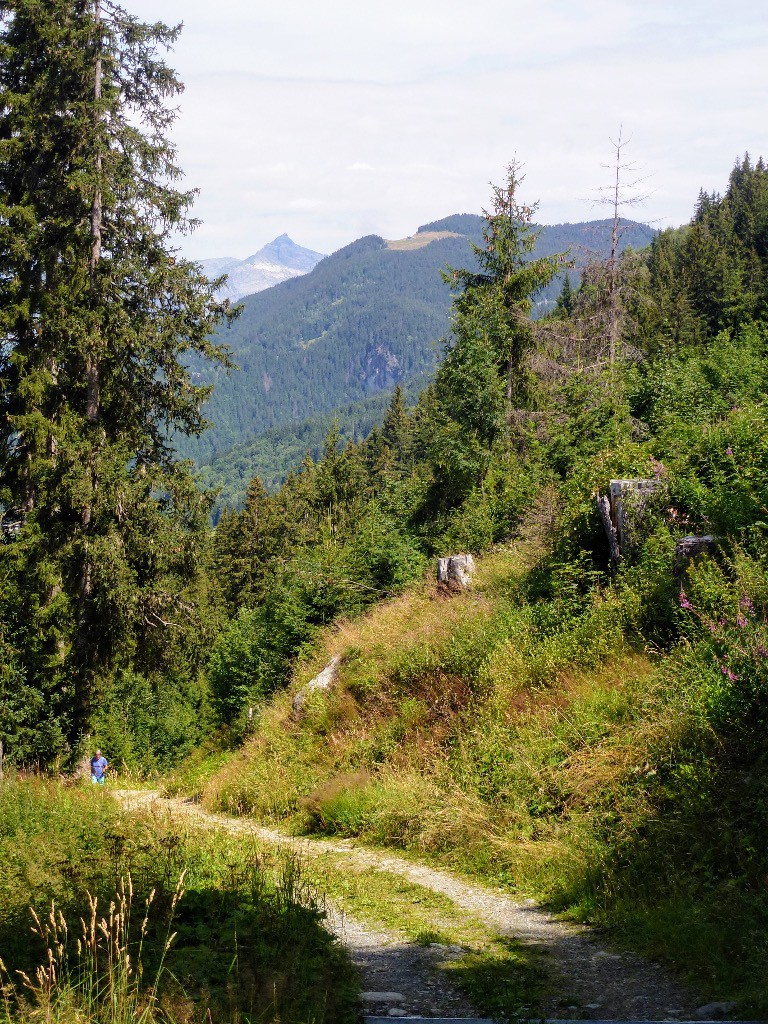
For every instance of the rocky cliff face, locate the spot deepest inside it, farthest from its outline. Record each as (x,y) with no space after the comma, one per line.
(277,261)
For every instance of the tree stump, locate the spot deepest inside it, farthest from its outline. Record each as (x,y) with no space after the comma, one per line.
(688,547)
(622,512)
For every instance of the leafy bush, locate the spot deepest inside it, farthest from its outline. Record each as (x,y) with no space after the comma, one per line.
(243,665)
(148,726)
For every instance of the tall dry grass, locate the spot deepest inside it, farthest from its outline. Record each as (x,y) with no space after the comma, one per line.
(99,977)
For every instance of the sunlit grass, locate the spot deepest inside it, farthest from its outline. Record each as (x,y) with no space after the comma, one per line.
(249,940)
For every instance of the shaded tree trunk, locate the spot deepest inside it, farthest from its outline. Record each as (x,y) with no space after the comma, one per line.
(92,404)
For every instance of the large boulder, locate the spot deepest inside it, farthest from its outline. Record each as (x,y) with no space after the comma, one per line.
(324,681)
(457,569)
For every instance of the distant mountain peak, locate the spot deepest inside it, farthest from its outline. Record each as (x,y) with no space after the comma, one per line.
(277,261)
(284,252)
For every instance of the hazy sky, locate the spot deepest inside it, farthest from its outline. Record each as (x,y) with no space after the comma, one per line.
(334,119)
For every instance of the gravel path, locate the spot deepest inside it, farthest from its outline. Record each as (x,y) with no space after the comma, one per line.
(391,967)
(594,981)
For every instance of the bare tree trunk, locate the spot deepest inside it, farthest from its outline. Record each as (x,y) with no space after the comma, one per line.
(509,393)
(613,303)
(604,508)
(92,400)
(30,494)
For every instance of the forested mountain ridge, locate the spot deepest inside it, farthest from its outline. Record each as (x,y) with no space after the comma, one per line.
(279,451)
(366,318)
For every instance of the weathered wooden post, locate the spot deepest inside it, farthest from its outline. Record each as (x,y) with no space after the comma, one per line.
(604,508)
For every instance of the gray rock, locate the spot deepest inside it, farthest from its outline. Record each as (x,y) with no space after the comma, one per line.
(395,1011)
(382,997)
(456,569)
(714,1011)
(324,681)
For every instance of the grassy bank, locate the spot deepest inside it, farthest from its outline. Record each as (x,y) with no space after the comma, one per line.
(178,926)
(532,740)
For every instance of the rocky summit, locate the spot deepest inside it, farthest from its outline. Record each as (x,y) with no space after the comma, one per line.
(277,261)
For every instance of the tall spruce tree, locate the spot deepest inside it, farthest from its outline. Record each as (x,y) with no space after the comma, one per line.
(493,306)
(97,315)
(483,383)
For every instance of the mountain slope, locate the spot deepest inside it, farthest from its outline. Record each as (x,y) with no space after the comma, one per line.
(274,453)
(279,260)
(366,318)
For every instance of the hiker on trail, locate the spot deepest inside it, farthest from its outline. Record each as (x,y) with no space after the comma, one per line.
(99,766)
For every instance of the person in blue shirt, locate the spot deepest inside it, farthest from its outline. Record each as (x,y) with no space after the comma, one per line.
(99,766)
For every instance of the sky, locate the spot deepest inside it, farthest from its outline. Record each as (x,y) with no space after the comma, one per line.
(337,119)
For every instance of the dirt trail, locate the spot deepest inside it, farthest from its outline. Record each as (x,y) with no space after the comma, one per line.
(594,981)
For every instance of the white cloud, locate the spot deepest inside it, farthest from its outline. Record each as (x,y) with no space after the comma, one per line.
(337,119)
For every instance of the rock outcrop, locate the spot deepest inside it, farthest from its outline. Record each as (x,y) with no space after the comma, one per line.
(326,680)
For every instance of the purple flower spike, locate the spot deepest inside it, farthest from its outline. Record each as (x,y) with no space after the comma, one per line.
(729,451)
(741,622)
(684,602)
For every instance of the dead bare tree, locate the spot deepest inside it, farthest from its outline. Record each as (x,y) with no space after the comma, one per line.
(620,194)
